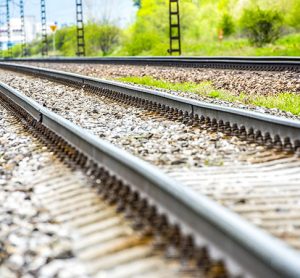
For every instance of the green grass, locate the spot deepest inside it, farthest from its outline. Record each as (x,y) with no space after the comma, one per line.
(285,101)
(183,87)
(288,45)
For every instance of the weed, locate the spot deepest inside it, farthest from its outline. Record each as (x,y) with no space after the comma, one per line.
(285,101)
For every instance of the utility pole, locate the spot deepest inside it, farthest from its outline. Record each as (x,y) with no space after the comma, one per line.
(44,28)
(23,45)
(80,29)
(2,22)
(174,24)
(9,50)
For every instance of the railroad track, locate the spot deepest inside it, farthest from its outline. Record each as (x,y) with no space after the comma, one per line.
(276,167)
(290,144)
(103,242)
(241,63)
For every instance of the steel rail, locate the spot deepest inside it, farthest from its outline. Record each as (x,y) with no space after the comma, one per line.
(243,247)
(244,63)
(283,131)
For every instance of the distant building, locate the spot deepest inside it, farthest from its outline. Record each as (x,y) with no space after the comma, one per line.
(31,31)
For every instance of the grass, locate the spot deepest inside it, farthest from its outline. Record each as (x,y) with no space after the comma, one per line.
(285,101)
(159,83)
(288,45)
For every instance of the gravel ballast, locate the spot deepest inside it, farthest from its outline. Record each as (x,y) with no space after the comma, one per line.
(237,81)
(250,83)
(155,139)
(32,243)
(171,145)
(54,222)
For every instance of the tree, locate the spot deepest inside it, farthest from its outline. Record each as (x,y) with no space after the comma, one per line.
(292,17)
(226,24)
(261,26)
(109,36)
(149,34)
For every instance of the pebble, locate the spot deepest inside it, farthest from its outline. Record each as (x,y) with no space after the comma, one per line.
(31,243)
(254,83)
(161,142)
(29,238)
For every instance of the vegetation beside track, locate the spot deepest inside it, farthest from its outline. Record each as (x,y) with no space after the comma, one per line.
(277,22)
(257,27)
(285,101)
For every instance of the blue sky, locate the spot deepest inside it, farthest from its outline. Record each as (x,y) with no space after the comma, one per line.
(63,11)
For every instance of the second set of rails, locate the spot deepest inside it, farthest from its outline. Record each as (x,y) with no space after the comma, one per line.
(269,131)
(240,63)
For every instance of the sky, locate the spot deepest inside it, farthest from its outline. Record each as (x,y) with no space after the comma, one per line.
(121,12)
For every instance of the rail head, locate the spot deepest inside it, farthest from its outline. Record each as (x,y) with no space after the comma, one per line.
(280,130)
(251,251)
(271,63)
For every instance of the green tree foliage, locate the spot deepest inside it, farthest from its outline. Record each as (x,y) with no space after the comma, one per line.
(293,14)
(261,26)
(149,32)
(17,51)
(200,22)
(65,41)
(100,39)
(108,38)
(227,25)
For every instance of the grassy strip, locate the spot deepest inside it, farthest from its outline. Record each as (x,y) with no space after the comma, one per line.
(289,102)
(288,45)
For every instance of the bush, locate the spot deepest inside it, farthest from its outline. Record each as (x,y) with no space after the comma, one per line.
(108,38)
(261,26)
(226,24)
